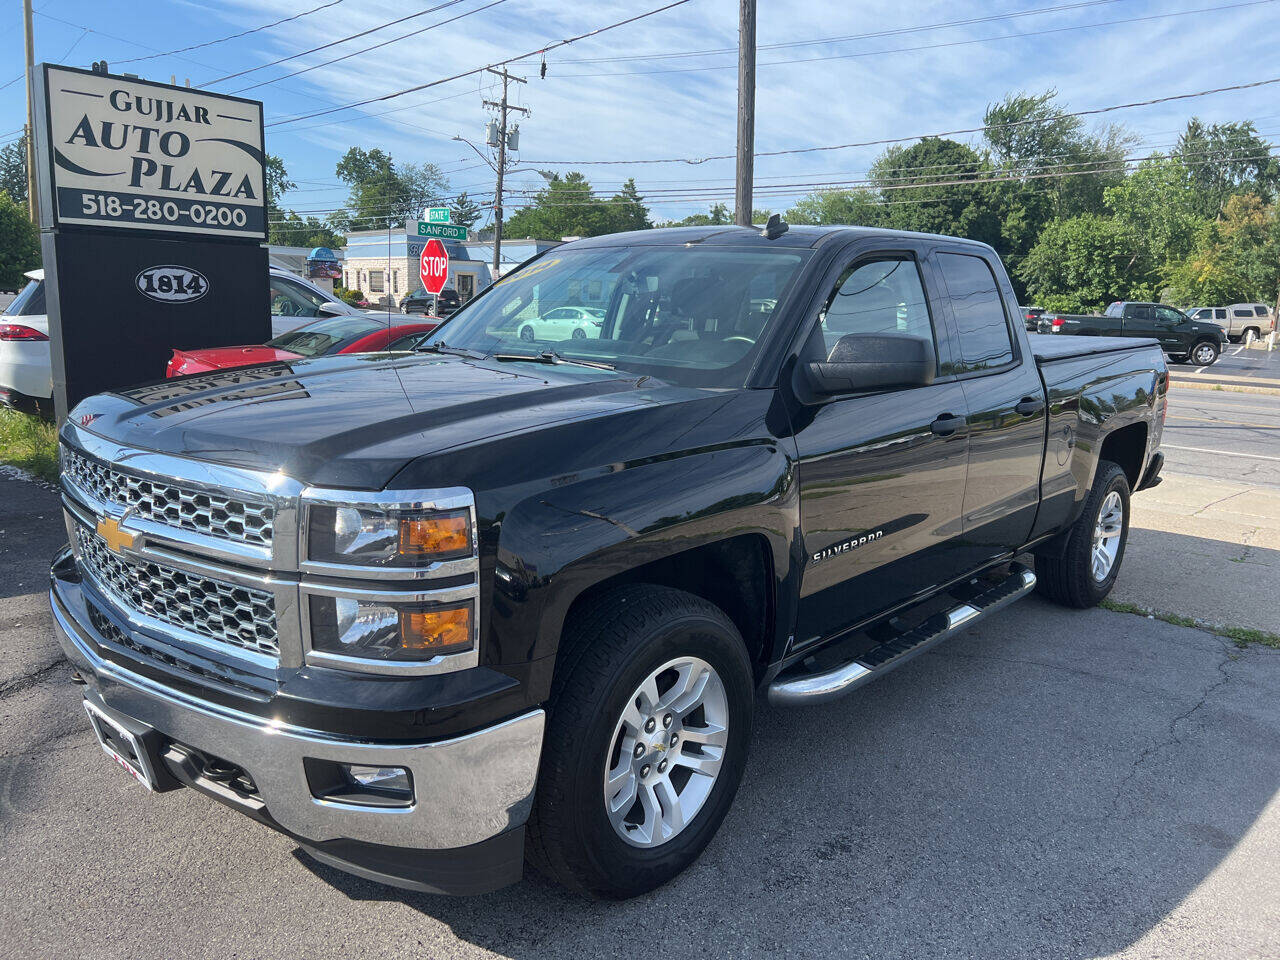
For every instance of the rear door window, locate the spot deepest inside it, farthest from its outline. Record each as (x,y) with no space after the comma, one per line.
(982,325)
(1259,311)
(1220,313)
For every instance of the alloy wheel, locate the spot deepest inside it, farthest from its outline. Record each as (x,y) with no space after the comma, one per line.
(1106,536)
(666,752)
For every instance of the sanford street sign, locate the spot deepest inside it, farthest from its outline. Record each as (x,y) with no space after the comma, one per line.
(132,154)
(443,231)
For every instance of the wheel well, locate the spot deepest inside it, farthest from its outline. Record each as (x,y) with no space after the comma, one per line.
(735,574)
(1126,447)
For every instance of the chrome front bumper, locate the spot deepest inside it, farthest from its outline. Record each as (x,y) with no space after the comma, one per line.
(467,789)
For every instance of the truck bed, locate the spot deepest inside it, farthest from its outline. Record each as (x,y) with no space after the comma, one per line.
(1048,348)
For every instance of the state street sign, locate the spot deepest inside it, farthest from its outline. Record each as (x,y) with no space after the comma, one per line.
(132,154)
(438,215)
(433,268)
(442,230)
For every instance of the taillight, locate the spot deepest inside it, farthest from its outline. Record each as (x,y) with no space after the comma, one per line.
(19,331)
(1058,322)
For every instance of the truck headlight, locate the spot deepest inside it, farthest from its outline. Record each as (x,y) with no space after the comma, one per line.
(390,630)
(369,536)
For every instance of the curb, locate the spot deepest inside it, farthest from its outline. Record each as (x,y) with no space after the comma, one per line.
(1222,387)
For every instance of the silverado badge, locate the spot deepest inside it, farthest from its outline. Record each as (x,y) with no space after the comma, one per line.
(116,539)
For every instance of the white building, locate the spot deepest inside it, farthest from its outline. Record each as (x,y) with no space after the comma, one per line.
(383,264)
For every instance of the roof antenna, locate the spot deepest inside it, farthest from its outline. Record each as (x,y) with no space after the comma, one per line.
(775,227)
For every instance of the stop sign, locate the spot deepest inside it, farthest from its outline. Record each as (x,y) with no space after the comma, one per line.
(434,266)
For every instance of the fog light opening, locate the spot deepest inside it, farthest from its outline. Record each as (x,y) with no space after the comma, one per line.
(359,784)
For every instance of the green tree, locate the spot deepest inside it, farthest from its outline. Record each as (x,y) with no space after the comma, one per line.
(13,169)
(1158,203)
(850,207)
(291,230)
(1237,258)
(958,209)
(717,214)
(383,194)
(277,184)
(1085,262)
(1227,159)
(568,207)
(465,211)
(19,243)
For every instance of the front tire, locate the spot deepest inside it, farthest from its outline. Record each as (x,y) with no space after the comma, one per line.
(1204,353)
(1087,569)
(526,334)
(645,744)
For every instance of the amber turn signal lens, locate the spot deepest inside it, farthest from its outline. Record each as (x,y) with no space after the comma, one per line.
(440,534)
(436,631)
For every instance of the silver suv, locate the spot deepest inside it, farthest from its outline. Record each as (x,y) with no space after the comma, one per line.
(1242,321)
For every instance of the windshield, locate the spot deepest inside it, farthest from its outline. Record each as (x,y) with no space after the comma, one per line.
(323,335)
(692,315)
(28,303)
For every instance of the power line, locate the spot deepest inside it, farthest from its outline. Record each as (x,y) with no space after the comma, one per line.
(927,46)
(922,136)
(334,43)
(356,53)
(234,36)
(898,31)
(475,70)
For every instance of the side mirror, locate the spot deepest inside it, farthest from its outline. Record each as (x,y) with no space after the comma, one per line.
(331,309)
(872,361)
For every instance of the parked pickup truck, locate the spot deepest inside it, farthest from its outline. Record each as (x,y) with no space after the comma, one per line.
(433,615)
(1185,340)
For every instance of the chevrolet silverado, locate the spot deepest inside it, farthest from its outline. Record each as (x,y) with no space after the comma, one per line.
(437,616)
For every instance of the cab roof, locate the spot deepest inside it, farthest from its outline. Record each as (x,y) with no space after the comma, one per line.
(797,235)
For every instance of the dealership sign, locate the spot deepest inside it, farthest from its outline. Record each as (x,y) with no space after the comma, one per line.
(132,154)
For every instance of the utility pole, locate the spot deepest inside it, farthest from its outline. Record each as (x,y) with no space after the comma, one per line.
(503,109)
(32,208)
(746,111)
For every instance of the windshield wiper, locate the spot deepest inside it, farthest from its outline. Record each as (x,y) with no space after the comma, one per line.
(550,356)
(441,347)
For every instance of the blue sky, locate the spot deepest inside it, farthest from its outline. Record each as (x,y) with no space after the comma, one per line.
(864,89)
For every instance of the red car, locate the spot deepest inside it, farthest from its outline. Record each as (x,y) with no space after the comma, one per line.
(349,334)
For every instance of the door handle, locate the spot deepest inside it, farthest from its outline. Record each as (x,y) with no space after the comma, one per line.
(1029,406)
(946,424)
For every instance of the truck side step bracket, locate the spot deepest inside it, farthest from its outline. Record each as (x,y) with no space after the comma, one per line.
(796,688)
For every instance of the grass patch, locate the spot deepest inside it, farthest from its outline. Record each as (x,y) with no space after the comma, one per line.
(29,442)
(1240,636)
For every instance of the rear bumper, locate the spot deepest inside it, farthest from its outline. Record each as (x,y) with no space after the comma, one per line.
(472,794)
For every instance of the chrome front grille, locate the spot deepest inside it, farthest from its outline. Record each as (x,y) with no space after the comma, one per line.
(224,612)
(211,514)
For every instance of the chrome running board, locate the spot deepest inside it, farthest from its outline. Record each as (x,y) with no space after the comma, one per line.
(797,687)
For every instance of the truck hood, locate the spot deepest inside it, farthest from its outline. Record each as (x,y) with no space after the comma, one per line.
(352,421)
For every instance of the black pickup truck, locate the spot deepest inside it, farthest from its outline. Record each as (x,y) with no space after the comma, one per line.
(1185,340)
(435,615)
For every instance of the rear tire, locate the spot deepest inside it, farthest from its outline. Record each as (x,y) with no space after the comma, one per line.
(1074,579)
(526,334)
(608,656)
(1250,336)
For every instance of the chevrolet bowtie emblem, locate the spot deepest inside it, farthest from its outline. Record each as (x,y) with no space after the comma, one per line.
(109,530)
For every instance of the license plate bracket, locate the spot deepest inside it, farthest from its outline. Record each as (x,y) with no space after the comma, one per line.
(126,747)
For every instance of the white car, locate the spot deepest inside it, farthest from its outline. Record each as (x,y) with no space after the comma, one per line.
(26,368)
(563,323)
(26,372)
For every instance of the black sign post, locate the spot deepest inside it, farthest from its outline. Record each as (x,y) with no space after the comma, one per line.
(152,218)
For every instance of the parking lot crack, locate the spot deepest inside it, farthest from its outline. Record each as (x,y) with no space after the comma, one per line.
(32,679)
(1177,725)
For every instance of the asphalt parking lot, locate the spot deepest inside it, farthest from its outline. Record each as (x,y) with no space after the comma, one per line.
(1049,784)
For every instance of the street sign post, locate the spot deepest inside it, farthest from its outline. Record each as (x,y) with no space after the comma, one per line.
(433,268)
(438,215)
(442,230)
